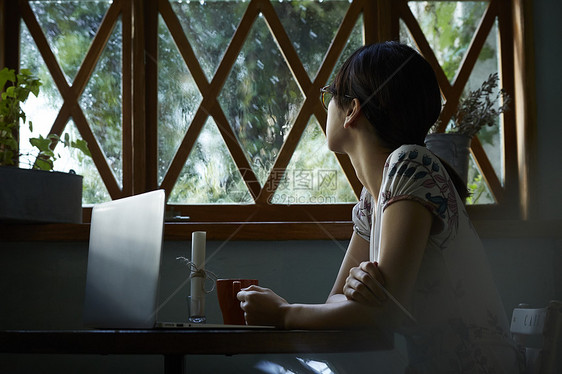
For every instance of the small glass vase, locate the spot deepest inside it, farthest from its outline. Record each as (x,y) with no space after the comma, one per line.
(196,309)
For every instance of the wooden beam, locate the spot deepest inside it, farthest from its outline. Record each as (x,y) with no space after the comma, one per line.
(525,108)
(10,18)
(139,100)
(127,98)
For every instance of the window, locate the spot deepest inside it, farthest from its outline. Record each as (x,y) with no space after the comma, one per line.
(217,101)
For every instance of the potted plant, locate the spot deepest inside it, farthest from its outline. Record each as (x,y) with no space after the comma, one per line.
(481,107)
(38,194)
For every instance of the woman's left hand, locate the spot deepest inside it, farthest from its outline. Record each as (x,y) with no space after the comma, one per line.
(364,284)
(262,306)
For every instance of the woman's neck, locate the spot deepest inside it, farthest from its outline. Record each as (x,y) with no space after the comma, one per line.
(368,159)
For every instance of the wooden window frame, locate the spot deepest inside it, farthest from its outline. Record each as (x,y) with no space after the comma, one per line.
(263,220)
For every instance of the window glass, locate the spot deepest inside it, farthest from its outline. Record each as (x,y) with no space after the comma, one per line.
(41,111)
(354,42)
(178,99)
(210,175)
(449,27)
(69,27)
(313,175)
(261,99)
(491,137)
(209,26)
(311,26)
(102,104)
(93,188)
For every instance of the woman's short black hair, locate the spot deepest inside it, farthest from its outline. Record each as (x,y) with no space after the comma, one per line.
(397,89)
(398,92)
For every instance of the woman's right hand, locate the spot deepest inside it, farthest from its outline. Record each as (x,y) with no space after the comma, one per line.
(364,284)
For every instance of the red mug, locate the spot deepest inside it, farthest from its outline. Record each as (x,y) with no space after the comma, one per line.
(227,289)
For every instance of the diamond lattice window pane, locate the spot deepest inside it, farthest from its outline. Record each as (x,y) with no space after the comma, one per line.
(210,176)
(406,37)
(209,26)
(102,102)
(261,99)
(477,186)
(491,137)
(314,175)
(354,42)
(311,26)
(42,110)
(178,99)
(93,189)
(70,27)
(449,27)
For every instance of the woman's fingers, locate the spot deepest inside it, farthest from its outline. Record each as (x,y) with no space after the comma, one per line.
(373,269)
(355,290)
(375,281)
(364,285)
(262,306)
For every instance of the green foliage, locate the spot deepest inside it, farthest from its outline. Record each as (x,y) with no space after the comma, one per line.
(46,157)
(70,27)
(479,193)
(18,90)
(449,27)
(11,113)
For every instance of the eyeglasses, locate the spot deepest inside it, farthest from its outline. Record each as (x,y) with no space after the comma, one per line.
(326,94)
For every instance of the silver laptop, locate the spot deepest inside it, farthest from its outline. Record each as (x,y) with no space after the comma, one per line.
(124,265)
(124,262)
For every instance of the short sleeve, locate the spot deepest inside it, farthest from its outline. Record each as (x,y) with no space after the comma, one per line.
(362,215)
(414,173)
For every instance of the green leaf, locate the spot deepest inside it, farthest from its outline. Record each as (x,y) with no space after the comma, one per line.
(11,91)
(82,145)
(43,164)
(6,75)
(41,143)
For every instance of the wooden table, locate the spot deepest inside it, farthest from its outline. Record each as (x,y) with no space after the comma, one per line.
(175,344)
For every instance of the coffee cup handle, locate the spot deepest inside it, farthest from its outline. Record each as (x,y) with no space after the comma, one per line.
(236,287)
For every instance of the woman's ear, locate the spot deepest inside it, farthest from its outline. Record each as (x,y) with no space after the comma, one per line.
(352,113)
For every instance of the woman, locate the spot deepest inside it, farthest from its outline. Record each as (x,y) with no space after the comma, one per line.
(412,236)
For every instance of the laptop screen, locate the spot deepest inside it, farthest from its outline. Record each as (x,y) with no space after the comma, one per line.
(124,262)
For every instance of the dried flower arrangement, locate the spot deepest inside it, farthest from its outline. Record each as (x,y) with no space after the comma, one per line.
(479,108)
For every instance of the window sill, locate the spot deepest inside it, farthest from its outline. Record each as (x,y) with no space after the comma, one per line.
(333,230)
(338,230)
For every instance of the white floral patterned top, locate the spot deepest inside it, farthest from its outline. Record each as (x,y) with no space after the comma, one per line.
(461,323)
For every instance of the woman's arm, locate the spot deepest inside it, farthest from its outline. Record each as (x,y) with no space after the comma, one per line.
(263,307)
(357,252)
(405,231)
